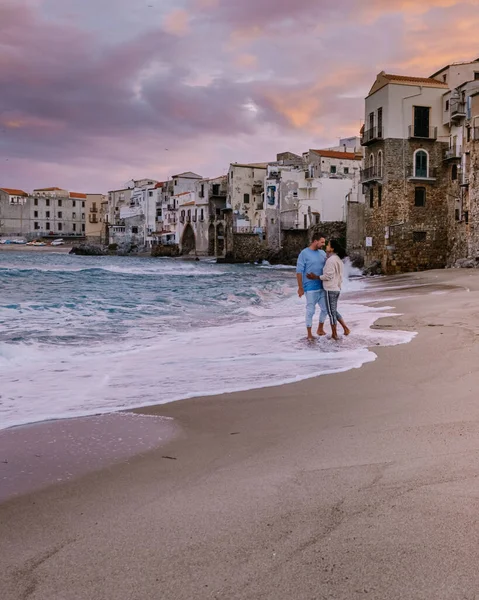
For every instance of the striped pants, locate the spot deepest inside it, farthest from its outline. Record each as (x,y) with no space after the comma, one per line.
(332,306)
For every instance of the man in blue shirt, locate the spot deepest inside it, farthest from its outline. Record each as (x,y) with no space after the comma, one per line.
(312,260)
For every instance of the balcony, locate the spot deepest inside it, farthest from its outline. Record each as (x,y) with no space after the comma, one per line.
(93,219)
(426,176)
(371,174)
(422,133)
(453,153)
(458,110)
(371,135)
(182,219)
(171,207)
(93,209)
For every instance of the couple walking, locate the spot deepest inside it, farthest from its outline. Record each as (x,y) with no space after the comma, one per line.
(319,279)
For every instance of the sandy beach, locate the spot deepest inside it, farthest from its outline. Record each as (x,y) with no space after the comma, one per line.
(361,484)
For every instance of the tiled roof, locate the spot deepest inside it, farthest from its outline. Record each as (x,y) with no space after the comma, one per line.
(251,165)
(338,154)
(13,192)
(51,189)
(183,193)
(408,79)
(191,203)
(77,195)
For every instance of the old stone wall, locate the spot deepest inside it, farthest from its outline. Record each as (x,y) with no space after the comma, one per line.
(406,237)
(355,232)
(248,247)
(473,217)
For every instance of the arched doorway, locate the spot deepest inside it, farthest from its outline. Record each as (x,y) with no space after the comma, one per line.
(188,241)
(220,239)
(211,240)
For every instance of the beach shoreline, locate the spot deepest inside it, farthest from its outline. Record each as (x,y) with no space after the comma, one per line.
(318,488)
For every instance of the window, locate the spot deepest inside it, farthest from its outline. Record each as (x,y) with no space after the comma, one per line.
(202,215)
(74,203)
(47,202)
(371,197)
(466,217)
(457,214)
(380,122)
(444,78)
(36,225)
(295,194)
(447,105)
(60,226)
(380,164)
(83,216)
(421,163)
(74,215)
(454,173)
(35,202)
(74,227)
(134,230)
(476,75)
(371,120)
(316,217)
(47,225)
(175,182)
(421,121)
(419,236)
(346,170)
(216,189)
(35,214)
(380,195)
(59,203)
(60,214)
(306,221)
(468,129)
(246,198)
(47,214)
(420,197)
(150,194)
(371,160)
(83,227)
(332,169)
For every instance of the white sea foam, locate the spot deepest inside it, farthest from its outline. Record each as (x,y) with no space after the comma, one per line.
(39,382)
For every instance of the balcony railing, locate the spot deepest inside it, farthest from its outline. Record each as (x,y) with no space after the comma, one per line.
(371,174)
(421,174)
(93,219)
(182,219)
(371,135)
(423,133)
(453,153)
(171,207)
(458,110)
(93,209)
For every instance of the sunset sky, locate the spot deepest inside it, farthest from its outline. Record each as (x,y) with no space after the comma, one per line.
(96,92)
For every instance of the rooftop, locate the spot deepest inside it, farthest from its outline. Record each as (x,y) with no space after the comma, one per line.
(13,192)
(384,79)
(77,195)
(338,154)
(455,64)
(251,165)
(50,189)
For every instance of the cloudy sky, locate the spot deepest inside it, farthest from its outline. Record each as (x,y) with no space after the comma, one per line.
(95,92)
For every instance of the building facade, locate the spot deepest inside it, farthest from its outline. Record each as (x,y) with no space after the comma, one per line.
(406,210)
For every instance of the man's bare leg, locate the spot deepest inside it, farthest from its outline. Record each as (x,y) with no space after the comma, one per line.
(321,331)
(346,329)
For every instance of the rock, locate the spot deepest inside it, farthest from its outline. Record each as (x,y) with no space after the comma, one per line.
(88,250)
(357,260)
(465,263)
(373,269)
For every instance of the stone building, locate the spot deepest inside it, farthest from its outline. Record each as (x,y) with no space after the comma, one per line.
(334,164)
(406,184)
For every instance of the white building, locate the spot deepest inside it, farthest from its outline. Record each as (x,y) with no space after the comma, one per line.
(246,193)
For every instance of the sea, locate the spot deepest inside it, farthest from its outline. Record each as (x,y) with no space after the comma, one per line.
(86,335)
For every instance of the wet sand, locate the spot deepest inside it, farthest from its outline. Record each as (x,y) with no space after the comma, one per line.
(361,484)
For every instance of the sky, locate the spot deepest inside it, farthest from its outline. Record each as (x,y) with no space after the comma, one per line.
(96,92)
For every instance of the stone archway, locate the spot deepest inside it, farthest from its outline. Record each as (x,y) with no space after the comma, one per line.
(211,240)
(188,240)
(220,239)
